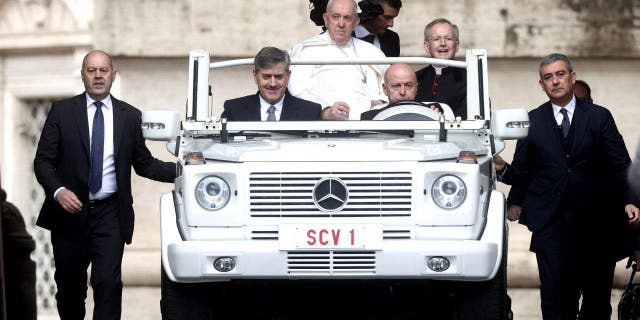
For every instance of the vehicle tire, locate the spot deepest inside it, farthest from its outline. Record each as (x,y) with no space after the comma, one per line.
(485,300)
(188,301)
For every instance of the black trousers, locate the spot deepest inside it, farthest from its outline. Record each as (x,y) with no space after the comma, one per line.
(570,266)
(101,245)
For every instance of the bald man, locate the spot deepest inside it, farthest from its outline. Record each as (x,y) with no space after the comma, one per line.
(400,83)
(83,162)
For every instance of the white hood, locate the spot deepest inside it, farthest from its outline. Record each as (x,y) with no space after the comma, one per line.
(337,149)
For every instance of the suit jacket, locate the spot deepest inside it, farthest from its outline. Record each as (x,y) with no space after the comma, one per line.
(63,160)
(390,43)
(550,174)
(247,108)
(452,88)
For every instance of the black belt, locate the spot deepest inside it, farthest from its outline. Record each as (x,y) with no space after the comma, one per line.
(98,202)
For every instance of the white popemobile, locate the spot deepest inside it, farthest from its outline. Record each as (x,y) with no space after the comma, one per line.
(333,206)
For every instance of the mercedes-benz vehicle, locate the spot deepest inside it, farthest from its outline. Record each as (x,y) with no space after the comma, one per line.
(397,216)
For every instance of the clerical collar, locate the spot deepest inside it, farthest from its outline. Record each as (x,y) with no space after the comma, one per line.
(438,69)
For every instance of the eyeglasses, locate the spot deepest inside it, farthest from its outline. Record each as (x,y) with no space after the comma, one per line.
(335,18)
(398,86)
(440,39)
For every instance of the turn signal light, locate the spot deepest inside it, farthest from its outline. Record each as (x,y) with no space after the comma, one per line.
(467,157)
(194,158)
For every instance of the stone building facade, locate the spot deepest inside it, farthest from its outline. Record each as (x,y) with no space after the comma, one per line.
(42,43)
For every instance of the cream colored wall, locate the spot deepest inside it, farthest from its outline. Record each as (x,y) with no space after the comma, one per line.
(514,28)
(28,77)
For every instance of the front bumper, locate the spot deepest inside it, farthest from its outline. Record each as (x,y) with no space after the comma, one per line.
(470,260)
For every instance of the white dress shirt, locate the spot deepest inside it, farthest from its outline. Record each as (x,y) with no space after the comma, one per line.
(108,161)
(362,32)
(570,107)
(109,185)
(264,107)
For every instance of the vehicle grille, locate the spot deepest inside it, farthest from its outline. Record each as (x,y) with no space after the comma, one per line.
(290,194)
(331,262)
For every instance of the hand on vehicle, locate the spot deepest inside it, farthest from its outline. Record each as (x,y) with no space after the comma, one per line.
(437,108)
(634,215)
(499,163)
(513,212)
(68,201)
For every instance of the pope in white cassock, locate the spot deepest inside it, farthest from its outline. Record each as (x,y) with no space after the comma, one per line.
(348,90)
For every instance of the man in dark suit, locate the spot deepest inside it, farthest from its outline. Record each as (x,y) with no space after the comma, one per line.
(273,102)
(440,83)
(561,173)
(376,17)
(83,162)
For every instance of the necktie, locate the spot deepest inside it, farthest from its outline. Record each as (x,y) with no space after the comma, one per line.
(271,113)
(434,86)
(369,38)
(97,149)
(565,125)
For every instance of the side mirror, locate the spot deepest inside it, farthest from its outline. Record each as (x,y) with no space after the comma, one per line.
(160,125)
(510,123)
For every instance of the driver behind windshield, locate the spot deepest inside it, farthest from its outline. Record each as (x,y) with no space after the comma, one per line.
(272,102)
(400,84)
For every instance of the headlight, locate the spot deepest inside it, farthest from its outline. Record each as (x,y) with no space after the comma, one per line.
(448,192)
(212,193)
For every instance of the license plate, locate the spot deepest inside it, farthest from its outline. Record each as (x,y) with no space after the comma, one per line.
(331,237)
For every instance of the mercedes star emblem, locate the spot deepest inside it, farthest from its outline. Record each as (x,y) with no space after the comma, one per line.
(330,194)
